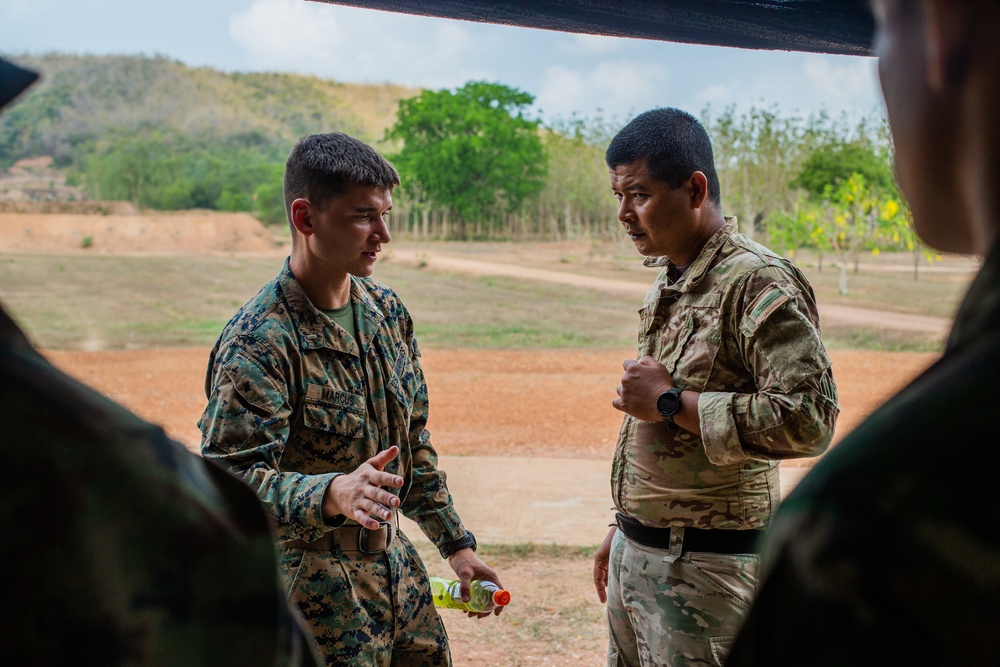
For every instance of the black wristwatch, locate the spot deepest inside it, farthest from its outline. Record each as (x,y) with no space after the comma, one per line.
(669,404)
(448,549)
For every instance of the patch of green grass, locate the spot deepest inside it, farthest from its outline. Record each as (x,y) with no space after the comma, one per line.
(532,550)
(880,340)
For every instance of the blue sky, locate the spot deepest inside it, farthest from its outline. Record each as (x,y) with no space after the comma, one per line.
(566,73)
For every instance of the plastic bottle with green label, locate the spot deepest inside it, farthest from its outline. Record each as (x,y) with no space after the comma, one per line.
(485,595)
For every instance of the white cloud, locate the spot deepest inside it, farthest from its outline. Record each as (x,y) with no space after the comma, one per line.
(349,44)
(843,81)
(620,88)
(802,85)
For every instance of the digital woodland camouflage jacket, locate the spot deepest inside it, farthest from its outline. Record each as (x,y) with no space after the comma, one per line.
(740,326)
(123,547)
(293,402)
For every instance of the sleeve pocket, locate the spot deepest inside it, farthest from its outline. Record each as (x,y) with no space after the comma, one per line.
(253,384)
(771,298)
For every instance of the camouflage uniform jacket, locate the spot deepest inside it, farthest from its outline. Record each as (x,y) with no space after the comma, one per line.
(741,327)
(892,541)
(293,401)
(126,548)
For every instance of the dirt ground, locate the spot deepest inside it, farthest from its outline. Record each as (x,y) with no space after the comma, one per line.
(547,403)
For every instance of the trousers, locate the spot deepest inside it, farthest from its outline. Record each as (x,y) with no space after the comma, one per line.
(667,609)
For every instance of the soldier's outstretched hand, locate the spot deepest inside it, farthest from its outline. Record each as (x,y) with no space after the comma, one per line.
(359,495)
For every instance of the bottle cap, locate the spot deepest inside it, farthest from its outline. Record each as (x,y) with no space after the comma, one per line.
(501,598)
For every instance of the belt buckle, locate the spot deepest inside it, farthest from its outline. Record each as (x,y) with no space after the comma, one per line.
(364,533)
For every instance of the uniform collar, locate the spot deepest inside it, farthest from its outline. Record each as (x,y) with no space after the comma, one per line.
(318,330)
(701,264)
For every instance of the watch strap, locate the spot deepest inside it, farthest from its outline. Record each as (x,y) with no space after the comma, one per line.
(467,541)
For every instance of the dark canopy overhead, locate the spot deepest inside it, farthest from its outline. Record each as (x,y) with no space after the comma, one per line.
(822,26)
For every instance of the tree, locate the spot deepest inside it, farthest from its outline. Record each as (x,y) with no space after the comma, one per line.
(835,162)
(756,154)
(576,200)
(471,151)
(854,217)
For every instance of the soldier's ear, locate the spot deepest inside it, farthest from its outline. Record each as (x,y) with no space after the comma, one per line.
(301,215)
(948,32)
(698,187)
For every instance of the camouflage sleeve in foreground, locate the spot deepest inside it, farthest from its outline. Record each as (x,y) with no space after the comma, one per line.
(127,548)
(792,413)
(245,427)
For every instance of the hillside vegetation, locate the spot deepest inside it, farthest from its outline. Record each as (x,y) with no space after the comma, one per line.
(84,99)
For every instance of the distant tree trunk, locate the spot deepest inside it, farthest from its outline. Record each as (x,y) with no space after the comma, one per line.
(842,280)
(916,264)
(425,222)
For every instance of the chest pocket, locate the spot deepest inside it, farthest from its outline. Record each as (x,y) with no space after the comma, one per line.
(691,341)
(334,411)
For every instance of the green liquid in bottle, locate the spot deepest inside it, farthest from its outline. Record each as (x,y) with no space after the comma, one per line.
(485,595)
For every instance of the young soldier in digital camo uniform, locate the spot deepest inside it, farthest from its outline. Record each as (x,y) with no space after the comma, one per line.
(730,377)
(124,548)
(316,397)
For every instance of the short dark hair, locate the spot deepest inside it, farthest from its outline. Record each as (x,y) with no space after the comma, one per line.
(674,145)
(323,166)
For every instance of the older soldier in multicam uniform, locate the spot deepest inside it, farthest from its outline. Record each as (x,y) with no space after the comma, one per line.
(888,552)
(731,377)
(316,397)
(122,547)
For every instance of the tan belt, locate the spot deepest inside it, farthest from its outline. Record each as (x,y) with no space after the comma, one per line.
(352,537)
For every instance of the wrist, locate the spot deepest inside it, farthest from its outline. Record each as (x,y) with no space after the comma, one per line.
(668,404)
(467,541)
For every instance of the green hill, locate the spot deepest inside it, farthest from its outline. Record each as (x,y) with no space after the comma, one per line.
(163,135)
(82,99)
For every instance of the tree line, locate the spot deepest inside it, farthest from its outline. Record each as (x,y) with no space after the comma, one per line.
(474,162)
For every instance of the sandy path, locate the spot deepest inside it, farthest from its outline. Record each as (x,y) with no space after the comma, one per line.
(830,314)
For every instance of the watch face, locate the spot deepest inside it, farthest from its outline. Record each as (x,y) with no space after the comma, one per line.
(668,403)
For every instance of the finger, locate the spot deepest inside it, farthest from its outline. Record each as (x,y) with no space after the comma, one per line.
(386,499)
(618,404)
(362,517)
(465,586)
(380,460)
(628,363)
(378,509)
(620,390)
(379,478)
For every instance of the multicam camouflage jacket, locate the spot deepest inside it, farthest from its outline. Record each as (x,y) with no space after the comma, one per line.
(882,544)
(124,547)
(741,327)
(294,401)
